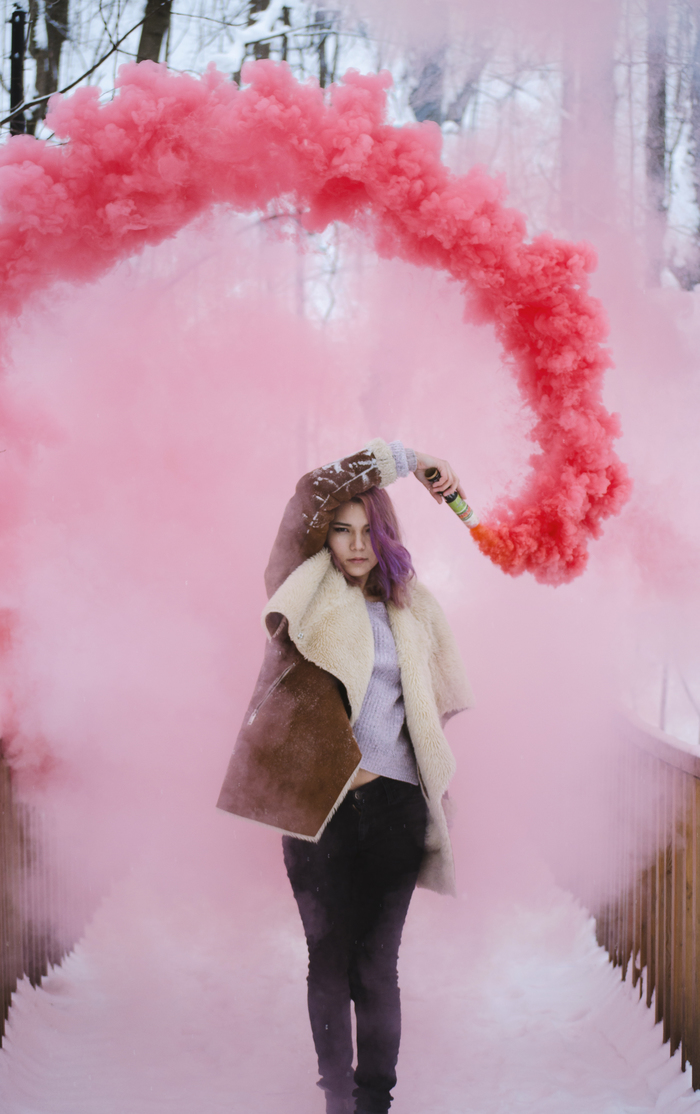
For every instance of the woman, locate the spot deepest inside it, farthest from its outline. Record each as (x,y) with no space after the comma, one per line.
(342,749)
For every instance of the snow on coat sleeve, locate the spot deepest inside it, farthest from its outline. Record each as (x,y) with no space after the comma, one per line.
(304,527)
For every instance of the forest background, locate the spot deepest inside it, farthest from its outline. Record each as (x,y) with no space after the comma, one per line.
(591,110)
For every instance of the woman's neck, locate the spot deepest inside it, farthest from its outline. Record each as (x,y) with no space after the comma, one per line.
(361,583)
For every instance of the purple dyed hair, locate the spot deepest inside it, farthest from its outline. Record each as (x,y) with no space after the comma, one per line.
(391,577)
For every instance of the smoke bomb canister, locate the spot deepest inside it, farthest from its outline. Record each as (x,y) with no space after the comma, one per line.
(462,509)
(455,501)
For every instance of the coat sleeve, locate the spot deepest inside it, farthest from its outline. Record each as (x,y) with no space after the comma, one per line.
(308,514)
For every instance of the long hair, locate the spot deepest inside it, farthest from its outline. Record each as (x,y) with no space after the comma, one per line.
(391,577)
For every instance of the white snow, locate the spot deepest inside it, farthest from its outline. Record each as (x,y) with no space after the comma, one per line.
(182,1002)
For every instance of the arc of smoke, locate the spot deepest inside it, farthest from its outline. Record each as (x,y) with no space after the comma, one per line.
(134,171)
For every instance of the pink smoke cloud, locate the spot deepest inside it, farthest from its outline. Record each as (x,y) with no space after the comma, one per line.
(169,148)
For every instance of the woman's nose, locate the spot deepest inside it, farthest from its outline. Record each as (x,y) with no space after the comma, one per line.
(358,542)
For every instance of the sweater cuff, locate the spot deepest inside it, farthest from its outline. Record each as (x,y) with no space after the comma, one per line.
(404,459)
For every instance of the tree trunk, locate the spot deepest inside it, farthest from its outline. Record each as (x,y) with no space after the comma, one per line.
(154,29)
(426,98)
(47,58)
(588,193)
(657,31)
(469,89)
(260,50)
(688,274)
(324,21)
(17,52)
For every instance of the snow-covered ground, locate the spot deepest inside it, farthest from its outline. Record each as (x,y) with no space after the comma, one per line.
(173,1003)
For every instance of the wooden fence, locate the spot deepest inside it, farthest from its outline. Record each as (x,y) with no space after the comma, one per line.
(31,897)
(651,928)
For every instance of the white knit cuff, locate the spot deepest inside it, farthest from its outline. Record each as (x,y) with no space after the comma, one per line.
(399,454)
(404,459)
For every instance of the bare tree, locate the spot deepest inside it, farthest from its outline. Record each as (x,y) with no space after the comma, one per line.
(426,98)
(48,57)
(468,87)
(328,45)
(657,38)
(588,193)
(603,116)
(687,273)
(260,49)
(154,29)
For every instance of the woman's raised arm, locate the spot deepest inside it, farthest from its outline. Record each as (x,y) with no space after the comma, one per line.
(304,527)
(318,494)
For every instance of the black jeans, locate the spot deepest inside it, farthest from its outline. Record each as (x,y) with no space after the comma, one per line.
(353,889)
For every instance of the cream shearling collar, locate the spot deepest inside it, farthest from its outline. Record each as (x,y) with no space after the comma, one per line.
(326,617)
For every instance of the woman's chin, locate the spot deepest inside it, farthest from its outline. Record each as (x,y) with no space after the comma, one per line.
(354,574)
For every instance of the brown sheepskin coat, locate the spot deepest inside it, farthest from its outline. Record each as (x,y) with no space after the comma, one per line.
(296,755)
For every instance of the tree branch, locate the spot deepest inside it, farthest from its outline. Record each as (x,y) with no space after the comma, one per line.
(67,88)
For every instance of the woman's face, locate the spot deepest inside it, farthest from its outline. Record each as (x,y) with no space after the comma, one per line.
(348,541)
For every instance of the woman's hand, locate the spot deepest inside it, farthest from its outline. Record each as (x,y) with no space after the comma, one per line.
(448,482)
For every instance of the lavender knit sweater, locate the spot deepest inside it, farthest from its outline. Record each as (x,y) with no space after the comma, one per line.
(380,728)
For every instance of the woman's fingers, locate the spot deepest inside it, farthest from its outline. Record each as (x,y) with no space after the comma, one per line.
(420,475)
(448,481)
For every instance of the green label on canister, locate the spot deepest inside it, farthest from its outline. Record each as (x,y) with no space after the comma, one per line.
(462,509)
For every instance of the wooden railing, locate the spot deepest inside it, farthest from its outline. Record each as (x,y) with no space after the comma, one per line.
(651,927)
(31,896)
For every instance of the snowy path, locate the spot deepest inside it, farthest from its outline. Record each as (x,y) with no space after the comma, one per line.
(170,1006)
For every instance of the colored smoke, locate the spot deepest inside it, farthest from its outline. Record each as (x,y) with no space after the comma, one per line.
(169,148)
(155,423)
